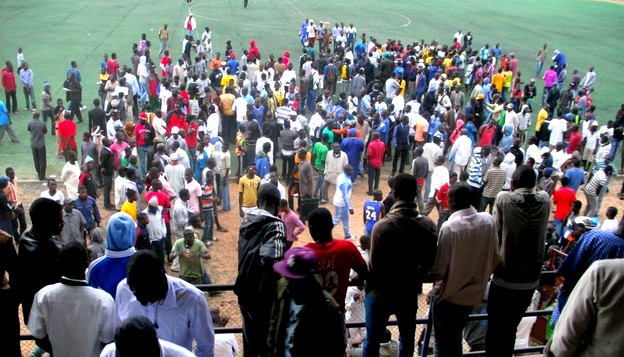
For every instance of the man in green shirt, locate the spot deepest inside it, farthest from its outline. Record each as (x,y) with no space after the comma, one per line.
(319,153)
(191,251)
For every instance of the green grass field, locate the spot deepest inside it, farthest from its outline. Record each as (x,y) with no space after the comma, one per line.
(52,33)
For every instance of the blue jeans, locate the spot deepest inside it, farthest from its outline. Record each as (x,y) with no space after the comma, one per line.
(342,215)
(143,95)
(378,310)
(319,183)
(538,70)
(428,183)
(615,145)
(208,226)
(143,150)
(559,228)
(312,94)
(225,193)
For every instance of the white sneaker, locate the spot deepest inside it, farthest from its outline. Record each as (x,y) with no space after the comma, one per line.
(83,107)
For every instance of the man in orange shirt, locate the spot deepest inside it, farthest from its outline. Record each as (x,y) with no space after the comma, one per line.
(421,127)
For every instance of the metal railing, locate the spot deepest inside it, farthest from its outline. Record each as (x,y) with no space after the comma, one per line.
(547,279)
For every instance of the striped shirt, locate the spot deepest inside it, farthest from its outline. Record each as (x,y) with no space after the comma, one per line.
(599,179)
(494,180)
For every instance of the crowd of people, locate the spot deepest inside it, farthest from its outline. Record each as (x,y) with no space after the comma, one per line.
(158,149)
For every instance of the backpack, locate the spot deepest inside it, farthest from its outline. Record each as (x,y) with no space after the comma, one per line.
(318,132)
(331,74)
(309,80)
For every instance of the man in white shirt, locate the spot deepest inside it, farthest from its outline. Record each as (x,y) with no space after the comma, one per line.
(430,152)
(557,127)
(460,152)
(179,310)
(72,318)
(439,177)
(467,254)
(240,107)
(139,328)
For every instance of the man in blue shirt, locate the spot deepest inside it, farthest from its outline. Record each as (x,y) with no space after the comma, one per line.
(576,175)
(87,206)
(402,142)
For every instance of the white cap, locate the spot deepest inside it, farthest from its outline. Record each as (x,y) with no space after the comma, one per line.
(174,157)
(175,130)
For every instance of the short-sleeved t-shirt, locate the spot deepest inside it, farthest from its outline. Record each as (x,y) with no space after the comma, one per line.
(372,210)
(320,153)
(249,188)
(196,191)
(335,261)
(130,208)
(190,258)
(207,197)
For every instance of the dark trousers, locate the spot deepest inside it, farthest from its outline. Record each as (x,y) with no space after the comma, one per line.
(485,202)
(48,114)
(75,110)
(10,326)
(228,128)
(108,184)
(448,323)
(288,166)
(11,101)
(373,178)
(157,247)
(19,222)
(506,308)
(39,158)
(167,246)
(256,318)
(476,196)
(401,151)
(29,97)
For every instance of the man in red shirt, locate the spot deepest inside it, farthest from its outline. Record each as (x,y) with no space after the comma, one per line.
(8,83)
(164,62)
(191,136)
(487,132)
(442,197)
(336,257)
(576,140)
(375,154)
(175,118)
(563,199)
(67,133)
(144,140)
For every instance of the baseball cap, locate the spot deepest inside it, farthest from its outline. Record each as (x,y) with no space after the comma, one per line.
(480,96)
(175,130)
(510,106)
(544,150)
(174,157)
(299,262)
(532,80)
(153,202)
(68,201)
(189,230)
(143,115)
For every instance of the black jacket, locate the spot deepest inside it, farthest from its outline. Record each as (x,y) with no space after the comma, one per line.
(36,267)
(106,161)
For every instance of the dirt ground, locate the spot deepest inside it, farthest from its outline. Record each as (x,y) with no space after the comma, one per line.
(223,265)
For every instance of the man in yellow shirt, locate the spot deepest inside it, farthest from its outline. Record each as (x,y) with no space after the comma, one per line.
(248,191)
(130,206)
(508,75)
(497,80)
(541,117)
